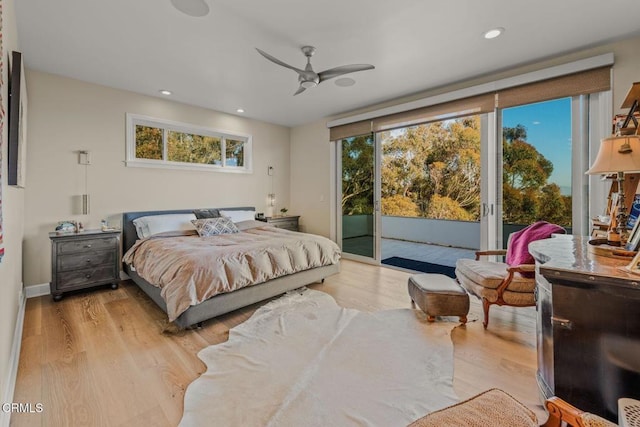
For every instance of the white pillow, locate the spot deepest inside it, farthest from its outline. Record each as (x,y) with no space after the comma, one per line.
(245,225)
(237,216)
(149,225)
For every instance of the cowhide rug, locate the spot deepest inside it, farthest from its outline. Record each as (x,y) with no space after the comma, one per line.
(302,360)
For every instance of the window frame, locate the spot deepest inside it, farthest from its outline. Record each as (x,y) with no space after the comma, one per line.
(133,120)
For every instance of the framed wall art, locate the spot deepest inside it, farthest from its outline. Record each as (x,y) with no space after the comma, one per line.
(17,150)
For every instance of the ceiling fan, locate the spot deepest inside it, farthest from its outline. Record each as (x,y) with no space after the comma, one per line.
(309,78)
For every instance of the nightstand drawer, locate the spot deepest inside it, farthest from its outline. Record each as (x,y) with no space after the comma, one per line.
(85,276)
(83,245)
(85,260)
(289,224)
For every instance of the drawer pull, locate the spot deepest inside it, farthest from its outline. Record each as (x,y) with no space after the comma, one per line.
(563,323)
(87,246)
(88,275)
(88,261)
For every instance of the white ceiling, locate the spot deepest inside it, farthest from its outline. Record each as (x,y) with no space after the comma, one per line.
(148,45)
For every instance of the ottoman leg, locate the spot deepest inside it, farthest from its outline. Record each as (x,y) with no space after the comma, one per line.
(463,319)
(431,318)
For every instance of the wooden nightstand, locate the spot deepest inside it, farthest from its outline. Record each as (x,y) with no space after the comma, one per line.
(286,222)
(83,260)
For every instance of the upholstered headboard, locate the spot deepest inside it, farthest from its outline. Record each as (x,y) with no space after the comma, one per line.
(129,234)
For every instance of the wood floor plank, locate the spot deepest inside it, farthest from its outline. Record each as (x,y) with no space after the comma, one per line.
(71,395)
(112,352)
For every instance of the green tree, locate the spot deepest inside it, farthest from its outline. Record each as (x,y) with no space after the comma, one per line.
(442,207)
(148,143)
(524,167)
(399,205)
(357,175)
(527,195)
(553,205)
(440,158)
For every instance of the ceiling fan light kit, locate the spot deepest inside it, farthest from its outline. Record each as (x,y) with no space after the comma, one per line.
(195,8)
(309,78)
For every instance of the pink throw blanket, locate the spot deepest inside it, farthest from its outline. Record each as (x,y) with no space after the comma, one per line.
(518,250)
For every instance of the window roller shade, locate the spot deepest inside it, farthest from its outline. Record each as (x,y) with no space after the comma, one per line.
(582,83)
(351,129)
(448,110)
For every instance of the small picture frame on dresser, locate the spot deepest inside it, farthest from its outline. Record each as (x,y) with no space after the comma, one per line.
(634,238)
(634,265)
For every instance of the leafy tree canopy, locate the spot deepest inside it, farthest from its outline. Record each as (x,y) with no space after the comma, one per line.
(433,171)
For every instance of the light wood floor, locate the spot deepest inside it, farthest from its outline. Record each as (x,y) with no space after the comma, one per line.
(101,357)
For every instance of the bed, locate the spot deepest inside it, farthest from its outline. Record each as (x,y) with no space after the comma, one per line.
(227,301)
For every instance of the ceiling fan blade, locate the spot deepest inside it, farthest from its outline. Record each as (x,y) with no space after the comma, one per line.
(277,61)
(344,69)
(300,90)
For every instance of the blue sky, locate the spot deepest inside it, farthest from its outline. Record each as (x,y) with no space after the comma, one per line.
(549,130)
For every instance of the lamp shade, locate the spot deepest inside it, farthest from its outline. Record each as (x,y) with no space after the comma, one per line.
(617,154)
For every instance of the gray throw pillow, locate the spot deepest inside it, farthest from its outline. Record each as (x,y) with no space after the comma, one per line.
(206,213)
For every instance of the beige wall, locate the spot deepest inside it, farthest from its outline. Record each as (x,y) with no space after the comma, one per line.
(12,217)
(311,187)
(310,147)
(67,115)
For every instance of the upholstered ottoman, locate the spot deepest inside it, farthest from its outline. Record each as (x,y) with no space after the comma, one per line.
(438,295)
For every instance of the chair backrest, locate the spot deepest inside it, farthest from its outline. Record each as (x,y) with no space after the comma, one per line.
(628,412)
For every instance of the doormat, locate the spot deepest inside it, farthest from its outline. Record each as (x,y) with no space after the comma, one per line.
(425,267)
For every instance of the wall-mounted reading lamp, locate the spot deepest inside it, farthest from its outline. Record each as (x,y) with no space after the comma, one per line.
(85,159)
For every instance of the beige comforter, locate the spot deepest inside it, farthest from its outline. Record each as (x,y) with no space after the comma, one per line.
(190,269)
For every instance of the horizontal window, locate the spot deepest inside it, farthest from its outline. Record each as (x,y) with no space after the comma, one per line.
(161,143)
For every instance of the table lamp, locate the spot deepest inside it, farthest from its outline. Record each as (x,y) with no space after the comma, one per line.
(617,155)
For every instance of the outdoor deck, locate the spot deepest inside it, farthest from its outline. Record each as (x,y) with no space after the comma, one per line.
(435,254)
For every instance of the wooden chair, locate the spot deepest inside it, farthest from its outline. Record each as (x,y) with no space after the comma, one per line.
(497,282)
(562,412)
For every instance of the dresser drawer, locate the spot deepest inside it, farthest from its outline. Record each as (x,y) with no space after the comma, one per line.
(289,224)
(83,245)
(86,276)
(85,260)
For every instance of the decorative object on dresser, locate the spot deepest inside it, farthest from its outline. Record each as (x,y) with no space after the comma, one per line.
(83,260)
(620,154)
(287,222)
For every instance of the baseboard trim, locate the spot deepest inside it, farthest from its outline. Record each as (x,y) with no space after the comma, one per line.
(37,290)
(45,289)
(14,358)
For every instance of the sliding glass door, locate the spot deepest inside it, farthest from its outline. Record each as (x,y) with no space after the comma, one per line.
(358,201)
(431,192)
(537,165)
(463,183)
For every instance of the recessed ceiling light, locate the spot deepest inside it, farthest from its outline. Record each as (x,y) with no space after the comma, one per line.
(240,110)
(492,34)
(345,81)
(165,92)
(195,8)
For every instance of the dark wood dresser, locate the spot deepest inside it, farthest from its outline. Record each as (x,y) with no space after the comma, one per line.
(286,222)
(83,260)
(588,331)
